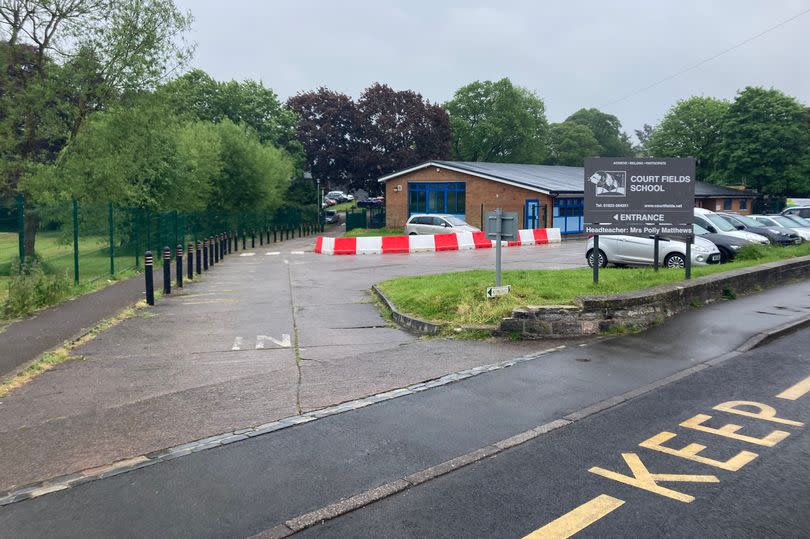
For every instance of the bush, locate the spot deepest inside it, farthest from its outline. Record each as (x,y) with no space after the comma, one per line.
(31,288)
(753,251)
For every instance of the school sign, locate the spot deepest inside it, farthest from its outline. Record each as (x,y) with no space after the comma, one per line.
(639,197)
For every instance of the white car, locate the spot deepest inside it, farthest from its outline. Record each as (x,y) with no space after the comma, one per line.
(638,251)
(717,225)
(783,222)
(436,224)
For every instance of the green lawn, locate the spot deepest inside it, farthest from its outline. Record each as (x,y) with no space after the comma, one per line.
(365,232)
(459,298)
(343,206)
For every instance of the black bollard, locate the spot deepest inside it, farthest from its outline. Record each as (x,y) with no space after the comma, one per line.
(221,246)
(214,251)
(236,242)
(198,257)
(205,255)
(230,242)
(150,283)
(268,235)
(190,262)
(261,237)
(244,240)
(178,255)
(253,239)
(167,270)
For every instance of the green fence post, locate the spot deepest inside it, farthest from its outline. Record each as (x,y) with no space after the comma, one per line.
(112,244)
(21,227)
(75,242)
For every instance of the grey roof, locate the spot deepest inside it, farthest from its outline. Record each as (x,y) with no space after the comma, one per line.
(704,189)
(552,179)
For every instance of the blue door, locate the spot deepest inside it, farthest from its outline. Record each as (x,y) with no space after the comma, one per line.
(532,215)
(568,215)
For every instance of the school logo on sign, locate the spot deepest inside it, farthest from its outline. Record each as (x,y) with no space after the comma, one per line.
(609,183)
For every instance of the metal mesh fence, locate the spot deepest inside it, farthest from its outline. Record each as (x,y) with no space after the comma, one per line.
(87,242)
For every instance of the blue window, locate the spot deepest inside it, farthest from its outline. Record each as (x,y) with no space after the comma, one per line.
(437,198)
(727,204)
(568,215)
(743,204)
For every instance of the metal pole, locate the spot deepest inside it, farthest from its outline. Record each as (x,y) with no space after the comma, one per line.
(150,283)
(190,263)
(21,226)
(655,252)
(198,258)
(75,242)
(178,255)
(596,259)
(167,270)
(112,241)
(205,255)
(498,247)
(688,264)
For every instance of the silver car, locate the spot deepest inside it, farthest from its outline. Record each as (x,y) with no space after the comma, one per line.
(436,223)
(638,251)
(784,222)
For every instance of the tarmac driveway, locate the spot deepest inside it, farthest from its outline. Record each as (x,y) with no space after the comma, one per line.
(261,337)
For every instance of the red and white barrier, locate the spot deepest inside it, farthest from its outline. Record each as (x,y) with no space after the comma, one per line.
(437,242)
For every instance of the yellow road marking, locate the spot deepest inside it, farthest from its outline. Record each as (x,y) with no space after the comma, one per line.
(794,392)
(577,519)
(692,452)
(643,479)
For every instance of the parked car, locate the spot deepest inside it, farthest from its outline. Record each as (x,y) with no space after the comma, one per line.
(638,251)
(371,202)
(436,224)
(338,196)
(727,245)
(776,235)
(784,222)
(717,225)
(801,211)
(801,221)
(331,217)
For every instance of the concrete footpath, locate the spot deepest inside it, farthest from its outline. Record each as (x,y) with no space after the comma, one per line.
(261,483)
(26,339)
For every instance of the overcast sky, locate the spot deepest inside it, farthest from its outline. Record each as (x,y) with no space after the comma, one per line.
(572,53)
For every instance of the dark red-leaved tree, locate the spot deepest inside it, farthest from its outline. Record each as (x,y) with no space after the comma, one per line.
(352,144)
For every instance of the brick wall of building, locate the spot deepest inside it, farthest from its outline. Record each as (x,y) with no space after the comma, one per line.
(480,191)
(717,204)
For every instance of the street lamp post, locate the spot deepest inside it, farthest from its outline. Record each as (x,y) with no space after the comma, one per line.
(319,204)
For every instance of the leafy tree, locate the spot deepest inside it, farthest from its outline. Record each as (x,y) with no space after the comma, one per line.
(607,130)
(765,142)
(691,128)
(399,129)
(105,48)
(643,135)
(498,121)
(570,143)
(329,127)
(249,103)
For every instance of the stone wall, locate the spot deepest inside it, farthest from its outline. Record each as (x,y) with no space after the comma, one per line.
(640,309)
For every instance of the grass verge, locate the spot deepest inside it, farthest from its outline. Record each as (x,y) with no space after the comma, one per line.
(459,298)
(49,360)
(365,232)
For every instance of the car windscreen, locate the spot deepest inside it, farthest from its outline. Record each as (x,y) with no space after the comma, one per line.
(784,221)
(719,222)
(767,221)
(799,219)
(698,230)
(455,221)
(747,221)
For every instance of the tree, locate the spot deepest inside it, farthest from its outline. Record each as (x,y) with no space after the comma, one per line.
(607,130)
(329,127)
(399,129)
(497,121)
(691,128)
(765,142)
(643,135)
(199,96)
(105,48)
(570,143)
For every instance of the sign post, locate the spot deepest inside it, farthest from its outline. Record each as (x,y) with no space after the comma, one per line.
(640,197)
(500,226)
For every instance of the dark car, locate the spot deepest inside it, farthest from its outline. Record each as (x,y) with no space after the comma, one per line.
(372,202)
(331,217)
(727,245)
(776,235)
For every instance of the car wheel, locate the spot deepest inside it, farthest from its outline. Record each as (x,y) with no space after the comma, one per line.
(725,255)
(412,234)
(602,258)
(675,260)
